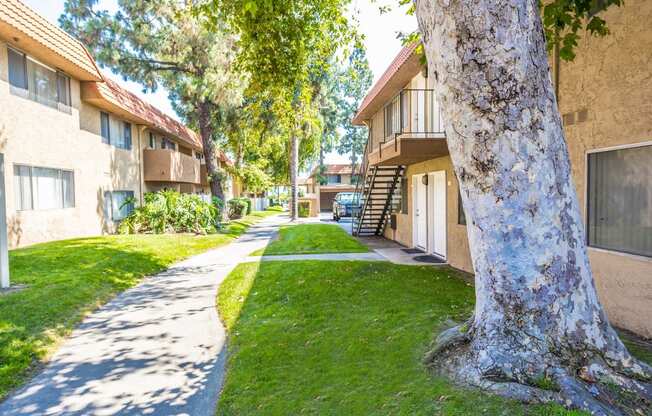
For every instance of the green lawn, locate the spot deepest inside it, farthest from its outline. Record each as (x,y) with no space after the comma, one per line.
(67,279)
(312,239)
(344,338)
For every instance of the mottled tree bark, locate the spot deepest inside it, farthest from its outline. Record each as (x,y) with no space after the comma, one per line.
(210,151)
(537,313)
(294,177)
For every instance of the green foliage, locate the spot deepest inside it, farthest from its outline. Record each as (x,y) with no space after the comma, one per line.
(313,239)
(564,19)
(304,209)
(171,211)
(249,204)
(254,179)
(238,207)
(168,43)
(345,338)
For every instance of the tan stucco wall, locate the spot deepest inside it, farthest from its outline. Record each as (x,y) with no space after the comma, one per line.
(457,243)
(611,78)
(37,135)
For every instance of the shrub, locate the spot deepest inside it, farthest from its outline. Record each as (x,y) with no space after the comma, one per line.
(171,211)
(304,209)
(249,204)
(237,208)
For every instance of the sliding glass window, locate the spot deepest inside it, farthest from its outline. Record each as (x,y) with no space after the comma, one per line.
(619,215)
(31,79)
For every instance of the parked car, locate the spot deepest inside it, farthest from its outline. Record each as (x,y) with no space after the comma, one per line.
(345,205)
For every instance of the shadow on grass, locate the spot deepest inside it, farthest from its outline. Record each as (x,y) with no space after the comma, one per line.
(344,338)
(67,279)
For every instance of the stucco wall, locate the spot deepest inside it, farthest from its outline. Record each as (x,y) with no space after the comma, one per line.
(611,79)
(37,135)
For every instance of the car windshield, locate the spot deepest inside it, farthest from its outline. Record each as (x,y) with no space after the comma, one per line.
(346,198)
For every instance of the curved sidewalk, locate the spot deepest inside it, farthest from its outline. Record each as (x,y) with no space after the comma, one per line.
(155,349)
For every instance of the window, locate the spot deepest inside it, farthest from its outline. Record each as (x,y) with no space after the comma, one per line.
(104,128)
(199,155)
(43,188)
(334,179)
(118,204)
(37,82)
(461,215)
(152,141)
(168,144)
(115,132)
(619,200)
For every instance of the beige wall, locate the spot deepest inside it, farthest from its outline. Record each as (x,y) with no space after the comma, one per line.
(611,79)
(37,135)
(457,243)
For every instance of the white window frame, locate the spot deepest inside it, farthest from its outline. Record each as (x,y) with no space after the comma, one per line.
(585,207)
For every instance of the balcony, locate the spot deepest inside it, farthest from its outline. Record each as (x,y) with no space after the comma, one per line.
(412,130)
(165,165)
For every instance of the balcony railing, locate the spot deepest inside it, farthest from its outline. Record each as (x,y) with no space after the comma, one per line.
(413,112)
(166,165)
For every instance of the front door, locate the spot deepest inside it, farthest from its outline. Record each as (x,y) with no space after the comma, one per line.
(437,213)
(420,219)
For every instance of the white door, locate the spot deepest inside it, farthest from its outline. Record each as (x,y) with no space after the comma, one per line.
(437,213)
(418,106)
(420,220)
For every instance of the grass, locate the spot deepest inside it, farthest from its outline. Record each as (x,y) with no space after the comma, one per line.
(67,279)
(344,338)
(312,239)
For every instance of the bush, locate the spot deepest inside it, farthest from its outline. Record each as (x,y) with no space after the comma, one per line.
(171,211)
(249,204)
(304,209)
(237,208)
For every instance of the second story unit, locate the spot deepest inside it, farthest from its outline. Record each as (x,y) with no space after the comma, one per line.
(402,114)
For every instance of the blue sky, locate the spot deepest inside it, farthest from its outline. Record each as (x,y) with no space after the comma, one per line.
(380,32)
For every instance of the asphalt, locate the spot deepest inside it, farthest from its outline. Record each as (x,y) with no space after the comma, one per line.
(156,349)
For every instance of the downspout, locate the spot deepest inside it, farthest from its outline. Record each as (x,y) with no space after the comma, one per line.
(140,163)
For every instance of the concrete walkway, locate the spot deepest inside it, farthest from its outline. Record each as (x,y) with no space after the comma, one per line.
(332,257)
(156,349)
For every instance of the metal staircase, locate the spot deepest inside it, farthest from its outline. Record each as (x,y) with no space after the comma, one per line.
(376,192)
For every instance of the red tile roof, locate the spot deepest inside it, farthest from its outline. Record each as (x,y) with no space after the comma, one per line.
(403,56)
(28,30)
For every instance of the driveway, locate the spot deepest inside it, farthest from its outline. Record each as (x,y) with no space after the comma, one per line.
(156,349)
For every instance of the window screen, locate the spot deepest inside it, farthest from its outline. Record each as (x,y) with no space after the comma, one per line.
(461,215)
(619,215)
(23,187)
(104,128)
(117,205)
(17,70)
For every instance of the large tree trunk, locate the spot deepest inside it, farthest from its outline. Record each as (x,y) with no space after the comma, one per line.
(210,151)
(537,313)
(294,177)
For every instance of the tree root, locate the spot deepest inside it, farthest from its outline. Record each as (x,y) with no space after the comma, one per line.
(599,388)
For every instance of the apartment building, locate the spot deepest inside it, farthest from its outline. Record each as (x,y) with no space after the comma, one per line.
(75,144)
(327,181)
(412,193)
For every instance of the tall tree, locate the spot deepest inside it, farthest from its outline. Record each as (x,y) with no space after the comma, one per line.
(283,45)
(168,43)
(537,314)
(354,81)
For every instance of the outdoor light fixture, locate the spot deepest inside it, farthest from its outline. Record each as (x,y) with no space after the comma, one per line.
(424,180)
